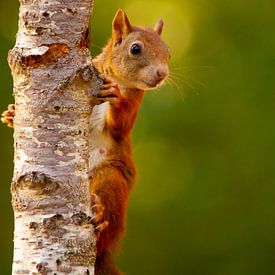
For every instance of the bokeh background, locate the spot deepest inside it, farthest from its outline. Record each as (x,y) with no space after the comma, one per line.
(204,144)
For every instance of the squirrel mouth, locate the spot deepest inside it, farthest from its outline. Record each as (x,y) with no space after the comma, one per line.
(152,85)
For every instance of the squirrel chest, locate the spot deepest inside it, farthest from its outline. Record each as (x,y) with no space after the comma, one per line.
(101,139)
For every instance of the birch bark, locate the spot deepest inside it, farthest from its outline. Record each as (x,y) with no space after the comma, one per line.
(51,68)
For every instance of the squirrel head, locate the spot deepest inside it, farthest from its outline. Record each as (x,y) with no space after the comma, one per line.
(138,58)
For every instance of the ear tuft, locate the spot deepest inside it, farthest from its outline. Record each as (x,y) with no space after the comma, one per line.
(121,26)
(158,27)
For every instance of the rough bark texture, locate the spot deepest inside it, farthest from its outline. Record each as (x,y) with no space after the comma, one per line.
(53,77)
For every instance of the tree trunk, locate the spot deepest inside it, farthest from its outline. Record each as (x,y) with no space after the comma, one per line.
(53,78)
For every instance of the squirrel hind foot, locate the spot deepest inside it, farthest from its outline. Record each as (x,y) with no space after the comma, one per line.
(98,215)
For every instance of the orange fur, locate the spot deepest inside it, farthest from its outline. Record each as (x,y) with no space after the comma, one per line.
(122,117)
(114,178)
(127,76)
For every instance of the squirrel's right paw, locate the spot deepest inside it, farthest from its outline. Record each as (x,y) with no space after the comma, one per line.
(8,115)
(109,91)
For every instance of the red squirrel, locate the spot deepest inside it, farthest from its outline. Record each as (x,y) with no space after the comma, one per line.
(134,60)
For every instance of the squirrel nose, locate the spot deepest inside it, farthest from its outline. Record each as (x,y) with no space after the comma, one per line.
(162,73)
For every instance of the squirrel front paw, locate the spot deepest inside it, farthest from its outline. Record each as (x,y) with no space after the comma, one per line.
(8,115)
(109,91)
(98,215)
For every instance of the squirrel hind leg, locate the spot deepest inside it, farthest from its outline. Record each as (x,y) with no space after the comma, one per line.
(105,265)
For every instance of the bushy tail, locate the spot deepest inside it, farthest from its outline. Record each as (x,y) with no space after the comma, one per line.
(105,265)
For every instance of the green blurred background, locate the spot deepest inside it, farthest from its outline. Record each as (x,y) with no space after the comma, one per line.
(204,146)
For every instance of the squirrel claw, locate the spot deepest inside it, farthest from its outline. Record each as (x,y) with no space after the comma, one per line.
(8,115)
(110,86)
(105,79)
(7,121)
(100,228)
(11,107)
(98,213)
(109,91)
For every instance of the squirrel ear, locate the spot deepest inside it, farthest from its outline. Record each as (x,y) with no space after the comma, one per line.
(158,27)
(121,26)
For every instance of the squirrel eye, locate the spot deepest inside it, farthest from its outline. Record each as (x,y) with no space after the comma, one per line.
(135,49)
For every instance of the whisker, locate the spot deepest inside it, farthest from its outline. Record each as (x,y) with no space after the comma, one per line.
(191,68)
(202,84)
(185,81)
(171,81)
(175,78)
(168,81)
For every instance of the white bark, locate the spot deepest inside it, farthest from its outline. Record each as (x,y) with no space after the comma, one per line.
(53,77)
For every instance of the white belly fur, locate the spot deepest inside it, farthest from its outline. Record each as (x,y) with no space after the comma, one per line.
(100,140)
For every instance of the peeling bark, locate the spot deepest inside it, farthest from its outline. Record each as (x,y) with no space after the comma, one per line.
(53,78)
